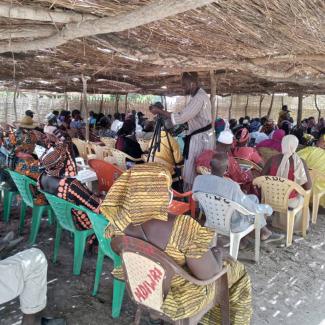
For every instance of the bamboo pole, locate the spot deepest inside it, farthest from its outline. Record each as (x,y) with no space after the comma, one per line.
(213,87)
(260,106)
(317,107)
(126,103)
(246,106)
(270,107)
(217,106)
(299,113)
(230,108)
(85,105)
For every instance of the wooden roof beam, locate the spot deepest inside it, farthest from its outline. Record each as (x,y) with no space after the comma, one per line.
(155,10)
(8,10)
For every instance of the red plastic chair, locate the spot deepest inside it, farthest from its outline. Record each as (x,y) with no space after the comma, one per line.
(106,173)
(180,207)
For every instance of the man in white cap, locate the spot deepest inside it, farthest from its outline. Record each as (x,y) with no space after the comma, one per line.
(217,184)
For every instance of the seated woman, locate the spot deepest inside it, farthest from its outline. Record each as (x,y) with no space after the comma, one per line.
(288,165)
(126,140)
(58,178)
(241,150)
(22,159)
(315,159)
(104,128)
(136,206)
(274,143)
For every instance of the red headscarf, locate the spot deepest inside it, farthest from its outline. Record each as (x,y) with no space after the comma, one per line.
(275,142)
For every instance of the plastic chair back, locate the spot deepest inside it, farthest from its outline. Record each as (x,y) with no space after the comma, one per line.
(218,211)
(276,191)
(101,152)
(109,142)
(62,210)
(267,153)
(120,158)
(149,272)
(99,223)
(106,173)
(144,144)
(24,184)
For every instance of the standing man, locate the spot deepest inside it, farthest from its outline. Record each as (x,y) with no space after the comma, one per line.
(197,114)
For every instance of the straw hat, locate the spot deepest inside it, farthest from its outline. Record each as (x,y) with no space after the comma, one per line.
(27,123)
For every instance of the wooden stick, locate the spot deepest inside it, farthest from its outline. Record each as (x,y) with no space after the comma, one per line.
(101,104)
(260,106)
(36,108)
(246,106)
(230,108)
(317,107)
(85,105)
(299,113)
(213,87)
(15,104)
(270,107)
(126,103)
(6,107)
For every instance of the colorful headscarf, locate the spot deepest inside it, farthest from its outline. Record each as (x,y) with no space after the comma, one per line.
(58,161)
(275,142)
(242,136)
(22,141)
(138,195)
(289,146)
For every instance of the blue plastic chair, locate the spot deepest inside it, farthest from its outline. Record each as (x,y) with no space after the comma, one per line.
(23,184)
(99,224)
(62,210)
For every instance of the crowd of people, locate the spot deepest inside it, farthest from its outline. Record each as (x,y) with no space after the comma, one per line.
(137,203)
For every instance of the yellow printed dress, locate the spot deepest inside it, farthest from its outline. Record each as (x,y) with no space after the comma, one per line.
(190,240)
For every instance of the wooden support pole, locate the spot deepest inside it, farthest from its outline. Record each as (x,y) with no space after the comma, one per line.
(117,100)
(260,106)
(230,108)
(66,100)
(81,101)
(15,103)
(6,107)
(126,103)
(37,107)
(299,113)
(246,106)
(85,105)
(213,87)
(318,109)
(270,107)
(101,104)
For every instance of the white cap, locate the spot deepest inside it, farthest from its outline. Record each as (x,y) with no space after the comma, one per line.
(49,116)
(226,137)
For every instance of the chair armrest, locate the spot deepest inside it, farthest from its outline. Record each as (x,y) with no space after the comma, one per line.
(182,195)
(195,281)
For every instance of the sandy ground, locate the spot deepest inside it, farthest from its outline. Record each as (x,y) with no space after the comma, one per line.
(288,284)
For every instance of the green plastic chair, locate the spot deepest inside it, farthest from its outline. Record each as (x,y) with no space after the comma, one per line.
(8,196)
(62,210)
(99,224)
(23,184)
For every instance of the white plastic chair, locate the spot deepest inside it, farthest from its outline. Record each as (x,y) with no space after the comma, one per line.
(218,212)
(81,163)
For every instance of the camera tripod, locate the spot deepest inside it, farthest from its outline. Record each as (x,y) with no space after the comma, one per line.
(156,143)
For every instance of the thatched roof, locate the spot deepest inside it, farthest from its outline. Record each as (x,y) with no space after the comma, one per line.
(253,46)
